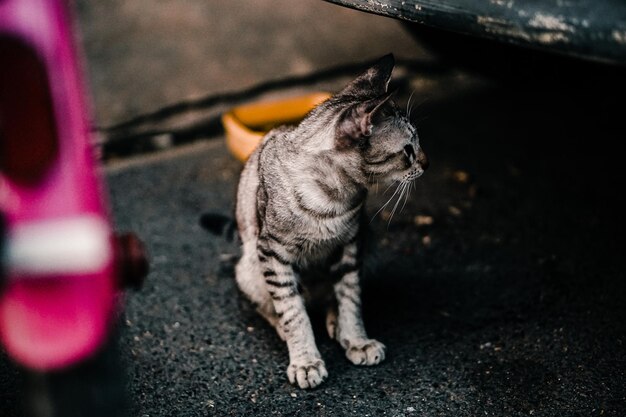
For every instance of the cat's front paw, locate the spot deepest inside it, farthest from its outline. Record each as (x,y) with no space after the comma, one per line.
(307,373)
(367,352)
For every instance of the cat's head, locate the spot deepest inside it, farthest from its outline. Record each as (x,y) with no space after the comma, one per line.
(372,125)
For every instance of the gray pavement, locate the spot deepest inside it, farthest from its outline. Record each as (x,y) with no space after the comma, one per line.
(509,304)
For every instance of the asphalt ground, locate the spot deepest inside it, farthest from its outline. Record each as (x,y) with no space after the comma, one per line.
(510,303)
(498,289)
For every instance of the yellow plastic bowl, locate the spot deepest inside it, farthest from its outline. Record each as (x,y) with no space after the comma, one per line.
(246,125)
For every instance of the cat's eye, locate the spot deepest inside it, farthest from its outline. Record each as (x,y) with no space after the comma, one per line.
(410,152)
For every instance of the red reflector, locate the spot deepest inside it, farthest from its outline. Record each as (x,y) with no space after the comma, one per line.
(28,139)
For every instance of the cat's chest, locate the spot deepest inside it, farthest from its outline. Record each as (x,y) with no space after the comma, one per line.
(317,251)
(315,248)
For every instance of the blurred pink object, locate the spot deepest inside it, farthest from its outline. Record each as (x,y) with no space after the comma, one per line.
(59,300)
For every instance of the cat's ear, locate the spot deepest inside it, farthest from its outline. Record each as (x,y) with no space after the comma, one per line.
(355,123)
(374,81)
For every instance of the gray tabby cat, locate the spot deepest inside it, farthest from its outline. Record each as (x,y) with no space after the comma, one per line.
(300,207)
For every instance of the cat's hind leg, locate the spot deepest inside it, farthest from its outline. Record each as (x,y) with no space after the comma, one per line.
(251,283)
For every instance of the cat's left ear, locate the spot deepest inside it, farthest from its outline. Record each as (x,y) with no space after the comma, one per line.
(374,81)
(355,123)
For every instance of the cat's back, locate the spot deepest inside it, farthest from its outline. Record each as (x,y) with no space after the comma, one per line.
(266,155)
(263,161)
(276,148)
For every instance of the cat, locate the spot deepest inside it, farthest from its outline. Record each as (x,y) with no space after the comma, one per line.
(300,207)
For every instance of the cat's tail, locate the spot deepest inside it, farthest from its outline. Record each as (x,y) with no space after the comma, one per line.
(220,225)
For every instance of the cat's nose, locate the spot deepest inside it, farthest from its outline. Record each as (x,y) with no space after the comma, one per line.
(422,160)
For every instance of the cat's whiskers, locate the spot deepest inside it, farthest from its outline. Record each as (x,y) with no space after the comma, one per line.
(404,185)
(408,105)
(408,194)
(388,201)
(390,185)
(404,189)
(393,210)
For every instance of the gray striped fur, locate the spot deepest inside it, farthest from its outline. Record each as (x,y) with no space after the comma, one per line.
(300,205)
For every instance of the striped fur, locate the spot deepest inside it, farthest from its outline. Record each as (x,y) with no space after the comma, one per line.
(300,205)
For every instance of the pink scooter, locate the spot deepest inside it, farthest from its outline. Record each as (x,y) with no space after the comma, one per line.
(61,267)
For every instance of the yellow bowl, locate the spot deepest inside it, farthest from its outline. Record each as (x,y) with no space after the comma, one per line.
(246,125)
